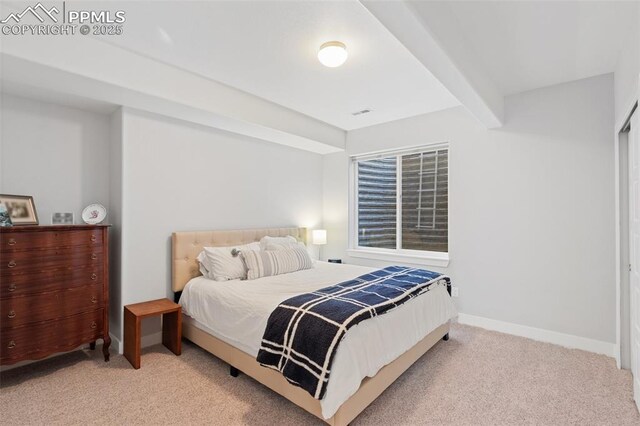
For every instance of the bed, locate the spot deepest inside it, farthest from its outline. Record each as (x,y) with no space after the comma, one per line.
(228,318)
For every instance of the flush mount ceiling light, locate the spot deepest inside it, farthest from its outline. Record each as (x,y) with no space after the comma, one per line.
(332,54)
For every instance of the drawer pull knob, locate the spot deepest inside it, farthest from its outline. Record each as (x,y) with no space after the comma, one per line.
(94,256)
(12,287)
(12,264)
(93,238)
(94,325)
(12,314)
(94,277)
(11,344)
(94,299)
(12,241)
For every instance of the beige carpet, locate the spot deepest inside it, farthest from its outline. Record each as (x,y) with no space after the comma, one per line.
(476,378)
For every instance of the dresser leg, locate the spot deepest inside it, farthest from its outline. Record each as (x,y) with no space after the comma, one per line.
(105,347)
(92,345)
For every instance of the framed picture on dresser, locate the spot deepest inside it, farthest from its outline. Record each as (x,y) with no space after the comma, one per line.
(21,208)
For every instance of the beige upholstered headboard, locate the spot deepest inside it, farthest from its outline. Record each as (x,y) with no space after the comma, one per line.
(185,247)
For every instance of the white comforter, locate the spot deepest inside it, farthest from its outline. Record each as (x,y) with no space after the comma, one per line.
(237,312)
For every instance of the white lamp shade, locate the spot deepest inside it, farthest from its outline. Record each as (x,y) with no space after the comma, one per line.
(319,237)
(332,54)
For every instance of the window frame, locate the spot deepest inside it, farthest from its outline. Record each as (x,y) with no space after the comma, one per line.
(421,257)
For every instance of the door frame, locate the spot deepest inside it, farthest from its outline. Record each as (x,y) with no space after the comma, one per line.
(619,226)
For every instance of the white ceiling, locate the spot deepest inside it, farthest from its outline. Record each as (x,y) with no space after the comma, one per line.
(269,48)
(531,44)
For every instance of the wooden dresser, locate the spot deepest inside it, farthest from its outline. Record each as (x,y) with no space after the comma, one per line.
(54,290)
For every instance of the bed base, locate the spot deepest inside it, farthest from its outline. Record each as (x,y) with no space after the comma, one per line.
(370,388)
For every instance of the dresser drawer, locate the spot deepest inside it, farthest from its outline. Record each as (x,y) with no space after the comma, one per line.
(18,241)
(36,341)
(54,259)
(38,282)
(23,310)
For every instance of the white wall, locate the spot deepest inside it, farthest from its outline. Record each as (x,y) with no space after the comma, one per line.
(537,192)
(627,73)
(531,206)
(58,155)
(179,176)
(155,175)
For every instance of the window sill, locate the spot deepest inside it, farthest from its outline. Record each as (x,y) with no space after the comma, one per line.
(431,259)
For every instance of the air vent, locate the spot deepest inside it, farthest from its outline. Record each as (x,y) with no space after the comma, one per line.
(364,111)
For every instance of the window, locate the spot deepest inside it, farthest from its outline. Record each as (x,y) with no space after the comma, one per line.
(401,203)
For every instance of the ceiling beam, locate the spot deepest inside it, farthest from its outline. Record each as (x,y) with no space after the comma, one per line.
(117,76)
(429,31)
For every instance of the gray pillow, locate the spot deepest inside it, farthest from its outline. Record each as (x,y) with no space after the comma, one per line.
(275,262)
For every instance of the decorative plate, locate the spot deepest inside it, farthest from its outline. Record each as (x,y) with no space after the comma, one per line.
(94,214)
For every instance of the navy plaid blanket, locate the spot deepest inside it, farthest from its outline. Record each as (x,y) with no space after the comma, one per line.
(303,332)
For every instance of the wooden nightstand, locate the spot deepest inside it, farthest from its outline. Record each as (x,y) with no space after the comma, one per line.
(171,327)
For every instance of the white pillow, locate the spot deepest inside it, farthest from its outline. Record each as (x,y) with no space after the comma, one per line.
(220,263)
(267,263)
(275,243)
(202,262)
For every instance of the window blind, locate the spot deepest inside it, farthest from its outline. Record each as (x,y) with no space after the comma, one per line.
(377,198)
(422,203)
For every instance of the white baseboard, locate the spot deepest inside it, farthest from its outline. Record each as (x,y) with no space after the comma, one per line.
(541,335)
(148,340)
(116,344)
